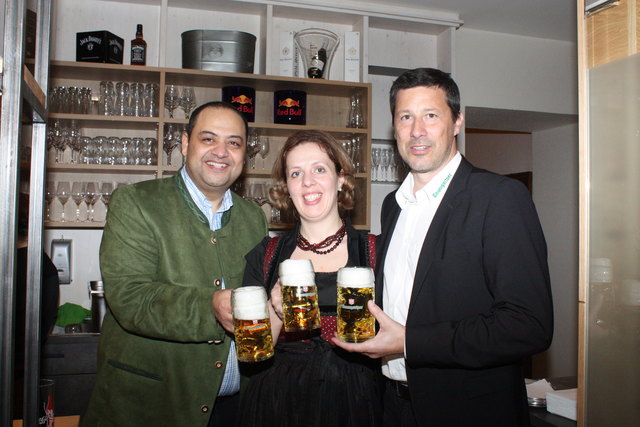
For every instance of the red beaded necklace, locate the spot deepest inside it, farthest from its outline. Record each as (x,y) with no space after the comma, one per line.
(331,242)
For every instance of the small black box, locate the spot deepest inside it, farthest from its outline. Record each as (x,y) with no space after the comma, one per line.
(99,46)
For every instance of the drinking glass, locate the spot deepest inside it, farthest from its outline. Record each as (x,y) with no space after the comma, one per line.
(149,149)
(107,97)
(356,116)
(77,195)
(171,98)
(385,161)
(375,162)
(105,193)
(122,99)
(90,197)
(355,323)
(299,295)
(356,145)
(151,91)
(252,328)
(49,195)
(136,101)
(187,100)
(58,140)
(124,152)
(253,147)
(73,141)
(169,142)
(264,149)
(63,192)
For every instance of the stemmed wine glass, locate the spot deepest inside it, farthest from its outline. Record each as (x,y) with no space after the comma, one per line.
(171,98)
(49,195)
(375,162)
(77,194)
(385,160)
(63,191)
(105,193)
(253,148)
(90,196)
(169,142)
(187,100)
(58,140)
(264,149)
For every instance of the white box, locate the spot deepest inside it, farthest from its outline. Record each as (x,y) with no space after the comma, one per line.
(352,56)
(288,55)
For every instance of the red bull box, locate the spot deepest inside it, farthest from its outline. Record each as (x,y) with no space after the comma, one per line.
(243,98)
(289,107)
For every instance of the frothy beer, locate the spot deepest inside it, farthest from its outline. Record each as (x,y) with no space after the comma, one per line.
(355,289)
(299,295)
(252,327)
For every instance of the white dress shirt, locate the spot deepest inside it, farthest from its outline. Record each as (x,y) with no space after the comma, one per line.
(417,212)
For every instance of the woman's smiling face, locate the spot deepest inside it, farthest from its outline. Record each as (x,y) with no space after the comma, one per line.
(312,182)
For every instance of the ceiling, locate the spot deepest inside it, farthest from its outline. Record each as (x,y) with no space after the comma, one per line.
(549,19)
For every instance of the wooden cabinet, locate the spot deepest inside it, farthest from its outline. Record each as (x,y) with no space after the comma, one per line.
(327,109)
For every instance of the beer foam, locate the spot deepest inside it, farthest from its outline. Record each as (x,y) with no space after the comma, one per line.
(356,277)
(297,272)
(249,303)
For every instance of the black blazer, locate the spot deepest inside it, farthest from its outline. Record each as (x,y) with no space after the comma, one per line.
(481,302)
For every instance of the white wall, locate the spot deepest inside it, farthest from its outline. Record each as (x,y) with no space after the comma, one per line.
(85,265)
(499,153)
(516,73)
(555,193)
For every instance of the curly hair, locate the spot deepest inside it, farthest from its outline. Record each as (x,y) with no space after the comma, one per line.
(279,194)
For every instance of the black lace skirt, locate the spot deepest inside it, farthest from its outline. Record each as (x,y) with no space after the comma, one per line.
(312,384)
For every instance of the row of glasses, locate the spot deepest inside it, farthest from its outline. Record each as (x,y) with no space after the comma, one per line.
(128,99)
(113,150)
(63,134)
(70,100)
(175,97)
(353,147)
(87,192)
(258,192)
(387,165)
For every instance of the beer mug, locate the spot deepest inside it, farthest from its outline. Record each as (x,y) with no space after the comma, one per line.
(299,295)
(355,289)
(252,327)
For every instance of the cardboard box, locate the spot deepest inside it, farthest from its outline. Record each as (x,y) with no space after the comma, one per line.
(99,46)
(352,56)
(289,59)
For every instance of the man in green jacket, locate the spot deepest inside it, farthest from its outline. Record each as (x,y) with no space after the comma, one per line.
(171,252)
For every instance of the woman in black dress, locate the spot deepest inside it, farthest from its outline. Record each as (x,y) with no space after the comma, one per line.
(310,382)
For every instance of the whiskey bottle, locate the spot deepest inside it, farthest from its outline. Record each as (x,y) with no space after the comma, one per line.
(138,48)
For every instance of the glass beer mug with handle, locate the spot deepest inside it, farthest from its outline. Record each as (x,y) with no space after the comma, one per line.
(299,295)
(355,290)
(252,327)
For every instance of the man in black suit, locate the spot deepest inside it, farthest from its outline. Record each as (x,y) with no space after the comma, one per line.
(462,275)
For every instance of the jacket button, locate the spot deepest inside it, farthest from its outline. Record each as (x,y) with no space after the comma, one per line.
(214,240)
(217,283)
(218,364)
(204,409)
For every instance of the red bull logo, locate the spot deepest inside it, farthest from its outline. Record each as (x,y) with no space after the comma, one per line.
(242,99)
(288,103)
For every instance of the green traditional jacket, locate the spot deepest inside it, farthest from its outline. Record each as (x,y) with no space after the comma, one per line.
(162,353)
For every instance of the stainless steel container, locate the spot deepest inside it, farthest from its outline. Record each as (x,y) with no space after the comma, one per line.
(218,50)
(98,303)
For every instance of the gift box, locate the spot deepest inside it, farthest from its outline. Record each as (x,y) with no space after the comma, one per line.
(99,46)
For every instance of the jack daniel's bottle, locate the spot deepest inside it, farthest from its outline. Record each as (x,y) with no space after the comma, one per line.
(138,48)
(318,59)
